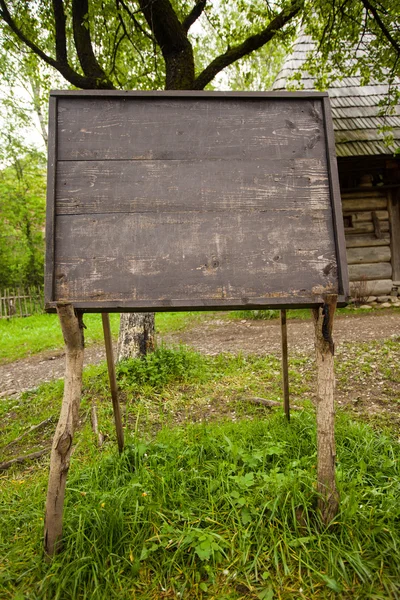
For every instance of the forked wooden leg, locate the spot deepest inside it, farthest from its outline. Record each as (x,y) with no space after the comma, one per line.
(113,380)
(72,328)
(328,502)
(285,368)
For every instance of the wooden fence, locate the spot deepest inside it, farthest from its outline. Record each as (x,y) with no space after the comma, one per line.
(21,302)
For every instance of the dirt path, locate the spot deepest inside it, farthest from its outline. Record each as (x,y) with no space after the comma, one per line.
(212,337)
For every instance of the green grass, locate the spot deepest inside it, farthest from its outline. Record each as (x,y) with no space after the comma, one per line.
(212,511)
(21,337)
(213,497)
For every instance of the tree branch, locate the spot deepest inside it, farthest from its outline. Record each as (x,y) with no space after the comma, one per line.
(83,44)
(134,20)
(368,7)
(61,37)
(172,39)
(251,44)
(66,71)
(194,14)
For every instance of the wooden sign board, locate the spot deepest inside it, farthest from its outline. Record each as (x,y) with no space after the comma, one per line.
(192,200)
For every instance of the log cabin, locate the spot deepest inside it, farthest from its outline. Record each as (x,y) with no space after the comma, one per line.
(369,173)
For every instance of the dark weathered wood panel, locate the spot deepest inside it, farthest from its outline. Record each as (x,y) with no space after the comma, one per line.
(195,128)
(50,200)
(191,256)
(195,200)
(170,186)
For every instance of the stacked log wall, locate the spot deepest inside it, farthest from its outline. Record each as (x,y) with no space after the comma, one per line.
(368,243)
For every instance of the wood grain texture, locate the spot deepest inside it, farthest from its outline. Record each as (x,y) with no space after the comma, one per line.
(195,201)
(50,200)
(381,270)
(193,255)
(208,185)
(176,129)
(376,287)
(373,254)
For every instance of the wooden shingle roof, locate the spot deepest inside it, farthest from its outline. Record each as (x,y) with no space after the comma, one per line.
(355,108)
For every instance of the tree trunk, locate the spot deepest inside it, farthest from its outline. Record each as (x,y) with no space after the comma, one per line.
(328,502)
(136,335)
(72,329)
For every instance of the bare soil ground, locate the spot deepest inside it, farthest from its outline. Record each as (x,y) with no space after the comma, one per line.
(212,337)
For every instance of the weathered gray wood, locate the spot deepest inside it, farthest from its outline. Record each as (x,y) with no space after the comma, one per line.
(176,186)
(63,437)
(366,227)
(394,205)
(334,185)
(195,201)
(50,200)
(198,256)
(113,380)
(176,129)
(285,367)
(328,501)
(365,202)
(366,240)
(373,254)
(376,287)
(381,270)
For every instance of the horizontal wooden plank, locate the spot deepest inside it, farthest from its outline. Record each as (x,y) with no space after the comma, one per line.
(374,254)
(365,203)
(361,216)
(136,128)
(366,240)
(365,227)
(375,287)
(150,257)
(280,302)
(381,270)
(171,186)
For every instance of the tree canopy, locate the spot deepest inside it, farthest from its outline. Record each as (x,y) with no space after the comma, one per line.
(182,44)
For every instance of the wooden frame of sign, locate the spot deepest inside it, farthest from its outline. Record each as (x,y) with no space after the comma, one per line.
(166,201)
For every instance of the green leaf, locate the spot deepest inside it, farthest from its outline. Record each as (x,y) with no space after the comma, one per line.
(203,586)
(266,594)
(332,584)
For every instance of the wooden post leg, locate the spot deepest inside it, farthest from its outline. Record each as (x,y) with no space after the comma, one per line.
(113,380)
(285,369)
(72,329)
(328,502)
